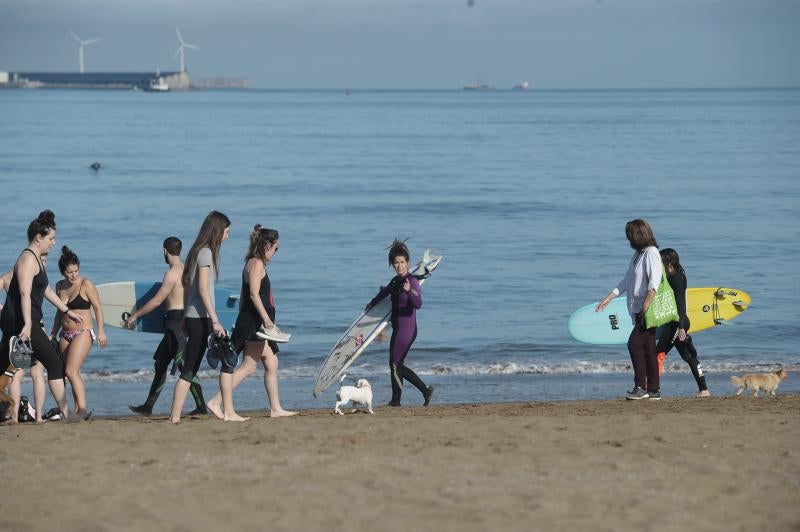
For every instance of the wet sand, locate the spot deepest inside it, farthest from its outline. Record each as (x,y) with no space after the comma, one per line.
(722,463)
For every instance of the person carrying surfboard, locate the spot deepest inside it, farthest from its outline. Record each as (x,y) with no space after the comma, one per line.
(255,331)
(675,333)
(173,343)
(640,283)
(406,295)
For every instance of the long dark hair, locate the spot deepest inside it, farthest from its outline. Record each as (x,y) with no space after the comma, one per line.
(42,225)
(259,238)
(671,260)
(398,249)
(209,236)
(68,257)
(640,235)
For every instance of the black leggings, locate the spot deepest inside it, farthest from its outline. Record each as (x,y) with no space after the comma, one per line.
(171,349)
(399,372)
(686,350)
(43,351)
(198,330)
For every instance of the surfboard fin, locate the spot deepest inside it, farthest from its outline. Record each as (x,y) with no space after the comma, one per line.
(740,304)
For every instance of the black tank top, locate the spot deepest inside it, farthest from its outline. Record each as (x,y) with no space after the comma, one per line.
(12,310)
(264,291)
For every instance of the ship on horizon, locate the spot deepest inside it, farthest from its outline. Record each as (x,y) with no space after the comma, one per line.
(477,86)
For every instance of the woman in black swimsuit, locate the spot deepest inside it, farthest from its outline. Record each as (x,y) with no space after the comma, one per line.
(75,339)
(256,314)
(22,313)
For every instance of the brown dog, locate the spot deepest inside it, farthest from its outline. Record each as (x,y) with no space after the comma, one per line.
(5,382)
(756,381)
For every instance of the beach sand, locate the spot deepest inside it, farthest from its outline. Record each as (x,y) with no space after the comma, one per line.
(722,463)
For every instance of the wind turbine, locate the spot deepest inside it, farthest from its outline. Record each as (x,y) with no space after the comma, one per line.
(182,47)
(82,43)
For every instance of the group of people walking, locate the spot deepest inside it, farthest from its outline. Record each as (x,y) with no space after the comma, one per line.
(190,321)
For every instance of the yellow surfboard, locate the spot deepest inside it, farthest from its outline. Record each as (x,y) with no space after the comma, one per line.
(708,307)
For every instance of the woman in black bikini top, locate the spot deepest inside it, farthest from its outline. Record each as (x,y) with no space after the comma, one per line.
(75,339)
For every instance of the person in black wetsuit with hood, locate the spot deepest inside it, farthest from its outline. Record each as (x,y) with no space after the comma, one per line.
(676,333)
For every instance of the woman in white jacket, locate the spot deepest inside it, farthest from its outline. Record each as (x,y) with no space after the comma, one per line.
(641,283)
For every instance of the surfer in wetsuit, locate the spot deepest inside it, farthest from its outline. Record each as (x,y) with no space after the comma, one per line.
(676,333)
(173,342)
(406,295)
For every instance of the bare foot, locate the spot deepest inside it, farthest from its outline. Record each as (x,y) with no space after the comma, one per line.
(215,409)
(281,413)
(174,421)
(236,417)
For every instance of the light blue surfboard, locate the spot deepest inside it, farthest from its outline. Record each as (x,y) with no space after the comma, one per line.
(611,326)
(118,300)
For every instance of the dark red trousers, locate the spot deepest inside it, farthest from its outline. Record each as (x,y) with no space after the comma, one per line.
(642,348)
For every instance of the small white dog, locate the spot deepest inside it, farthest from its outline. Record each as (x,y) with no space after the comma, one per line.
(360,394)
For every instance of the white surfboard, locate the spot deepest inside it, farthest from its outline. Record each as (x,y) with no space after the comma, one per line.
(364,330)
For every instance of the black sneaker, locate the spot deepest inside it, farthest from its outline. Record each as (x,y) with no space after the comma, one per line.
(636,394)
(142,410)
(654,396)
(428,394)
(394,403)
(199,412)
(54,414)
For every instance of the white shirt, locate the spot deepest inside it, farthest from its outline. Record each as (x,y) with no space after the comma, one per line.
(644,273)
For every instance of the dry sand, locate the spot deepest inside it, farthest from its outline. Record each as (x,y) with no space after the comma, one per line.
(723,463)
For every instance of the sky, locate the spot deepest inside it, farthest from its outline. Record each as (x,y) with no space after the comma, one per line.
(419,44)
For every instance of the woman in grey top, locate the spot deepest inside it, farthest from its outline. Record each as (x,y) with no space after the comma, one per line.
(200,317)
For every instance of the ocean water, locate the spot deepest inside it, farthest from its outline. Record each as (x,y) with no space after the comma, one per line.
(526,195)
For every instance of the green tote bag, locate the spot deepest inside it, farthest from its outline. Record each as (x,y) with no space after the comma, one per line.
(663,309)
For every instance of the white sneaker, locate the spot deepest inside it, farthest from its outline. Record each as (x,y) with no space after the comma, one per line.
(273,333)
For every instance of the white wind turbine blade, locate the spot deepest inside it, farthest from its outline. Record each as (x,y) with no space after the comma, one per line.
(91,41)
(75,37)
(178,33)
(192,46)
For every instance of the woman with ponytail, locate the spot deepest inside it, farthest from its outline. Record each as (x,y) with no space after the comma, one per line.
(22,314)
(255,331)
(75,339)
(200,317)
(406,295)
(676,333)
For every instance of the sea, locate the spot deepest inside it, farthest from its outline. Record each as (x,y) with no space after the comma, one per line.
(526,194)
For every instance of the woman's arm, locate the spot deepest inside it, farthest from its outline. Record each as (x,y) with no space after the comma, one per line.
(383,292)
(58,319)
(202,287)
(414,292)
(53,298)
(606,300)
(94,299)
(25,271)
